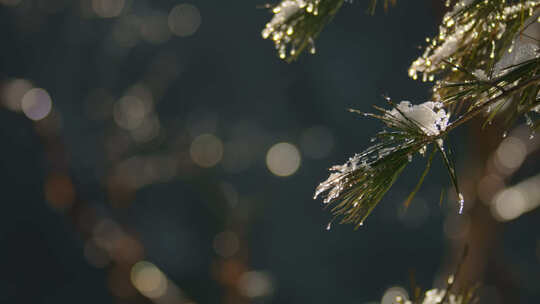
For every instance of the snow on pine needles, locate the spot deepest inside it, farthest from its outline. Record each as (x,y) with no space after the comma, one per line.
(358,185)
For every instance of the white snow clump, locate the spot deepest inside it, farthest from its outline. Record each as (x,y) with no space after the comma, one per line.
(429,116)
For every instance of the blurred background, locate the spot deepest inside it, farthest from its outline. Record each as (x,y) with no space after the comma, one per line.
(160,152)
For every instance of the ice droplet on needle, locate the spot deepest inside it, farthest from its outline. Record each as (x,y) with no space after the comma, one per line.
(461,203)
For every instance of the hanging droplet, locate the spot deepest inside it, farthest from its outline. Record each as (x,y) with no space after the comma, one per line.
(290,30)
(505,133)
(312,49)
(329,226)
(461,203)
(409,157)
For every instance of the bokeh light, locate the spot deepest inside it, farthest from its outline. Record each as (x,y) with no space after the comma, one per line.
(510,154)
(206,150)
(512,202)
(283,159)
(12,93)
(36,104)
(184,20)
(130,111)
(108,8)
(148,280)
(254,284)
(508,204)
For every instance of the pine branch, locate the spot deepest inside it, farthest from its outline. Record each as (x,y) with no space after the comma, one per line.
(297,23)
(467,295)
(474,42)
(359,184)
(481,50)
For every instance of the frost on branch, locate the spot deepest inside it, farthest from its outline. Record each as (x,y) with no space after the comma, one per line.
(362,181)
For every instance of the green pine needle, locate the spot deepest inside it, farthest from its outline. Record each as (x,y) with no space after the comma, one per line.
(357,186)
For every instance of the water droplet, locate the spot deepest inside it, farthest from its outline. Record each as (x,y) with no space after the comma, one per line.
(504,134)
(461,203)
(329,226)
(423,150)
(528,120)
(312,49)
